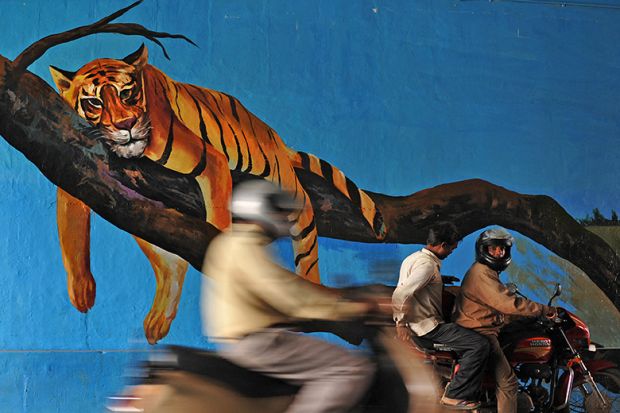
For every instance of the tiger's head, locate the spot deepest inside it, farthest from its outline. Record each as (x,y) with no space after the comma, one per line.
(109,94)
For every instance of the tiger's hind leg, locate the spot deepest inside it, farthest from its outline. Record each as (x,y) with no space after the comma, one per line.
(305,243)
(73,219)
(170,270)
(304,233)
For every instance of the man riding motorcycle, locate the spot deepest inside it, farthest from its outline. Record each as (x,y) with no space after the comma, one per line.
(248,301)
(485,305)
(417,304)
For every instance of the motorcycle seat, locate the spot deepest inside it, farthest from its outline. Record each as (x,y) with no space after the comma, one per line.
(431,347)
(213,367)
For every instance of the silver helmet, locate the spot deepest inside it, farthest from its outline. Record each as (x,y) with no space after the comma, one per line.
(263,203)
(492,237)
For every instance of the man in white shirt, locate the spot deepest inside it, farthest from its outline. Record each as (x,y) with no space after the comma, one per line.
(417,306)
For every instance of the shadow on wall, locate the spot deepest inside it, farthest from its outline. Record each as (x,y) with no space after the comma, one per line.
(537,270)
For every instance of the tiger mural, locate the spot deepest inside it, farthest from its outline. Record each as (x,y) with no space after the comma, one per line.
(140,112)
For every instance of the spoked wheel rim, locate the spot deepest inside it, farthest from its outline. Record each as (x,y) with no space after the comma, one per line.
(608,382)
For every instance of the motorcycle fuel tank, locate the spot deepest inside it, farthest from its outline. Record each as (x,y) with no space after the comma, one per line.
(535,349)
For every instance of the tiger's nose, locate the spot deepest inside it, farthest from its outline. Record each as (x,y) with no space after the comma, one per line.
(125,124)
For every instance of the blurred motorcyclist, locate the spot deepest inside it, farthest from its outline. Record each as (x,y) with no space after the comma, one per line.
(248,299)
(485,304)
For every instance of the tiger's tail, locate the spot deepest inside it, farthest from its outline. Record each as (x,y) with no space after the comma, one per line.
(339,180)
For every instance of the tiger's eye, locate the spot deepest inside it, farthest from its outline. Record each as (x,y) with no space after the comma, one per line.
(91,103)
(125,94)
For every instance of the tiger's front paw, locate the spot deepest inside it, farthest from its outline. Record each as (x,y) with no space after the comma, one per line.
(82,291)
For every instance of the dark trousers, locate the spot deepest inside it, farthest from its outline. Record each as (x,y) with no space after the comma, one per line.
(473,352)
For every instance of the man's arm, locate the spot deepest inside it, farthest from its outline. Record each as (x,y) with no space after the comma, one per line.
(497,296)
(293,296)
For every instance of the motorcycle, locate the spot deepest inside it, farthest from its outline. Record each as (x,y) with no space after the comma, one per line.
(188,380)
(553,361)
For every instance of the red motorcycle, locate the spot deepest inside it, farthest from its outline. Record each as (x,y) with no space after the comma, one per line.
(553,360)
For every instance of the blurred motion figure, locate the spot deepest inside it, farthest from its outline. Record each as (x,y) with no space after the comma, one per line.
(248,300)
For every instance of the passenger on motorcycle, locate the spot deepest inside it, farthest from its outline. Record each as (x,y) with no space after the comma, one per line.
(248,299)
(417,305)
(485,304)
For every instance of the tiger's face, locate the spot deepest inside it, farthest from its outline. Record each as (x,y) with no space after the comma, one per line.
(109,94)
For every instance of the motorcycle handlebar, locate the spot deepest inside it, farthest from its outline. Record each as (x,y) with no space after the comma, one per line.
(556,319)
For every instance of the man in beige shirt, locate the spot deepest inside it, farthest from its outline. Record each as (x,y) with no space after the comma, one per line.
(417,307)
(485,303)
(247,298)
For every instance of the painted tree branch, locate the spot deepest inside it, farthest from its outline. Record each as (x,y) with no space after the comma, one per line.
(471,205)
(38,48)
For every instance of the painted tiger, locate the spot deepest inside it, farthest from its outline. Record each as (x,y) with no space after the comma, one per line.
(141,112)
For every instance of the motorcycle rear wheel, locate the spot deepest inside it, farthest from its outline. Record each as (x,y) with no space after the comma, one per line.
(608,382)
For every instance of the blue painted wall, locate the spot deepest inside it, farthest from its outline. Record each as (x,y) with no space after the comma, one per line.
(401,95)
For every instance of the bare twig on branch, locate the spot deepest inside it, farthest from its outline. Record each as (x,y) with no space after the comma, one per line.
(38,48)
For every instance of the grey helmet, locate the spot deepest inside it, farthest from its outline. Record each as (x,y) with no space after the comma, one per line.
(496,236)
(265,204)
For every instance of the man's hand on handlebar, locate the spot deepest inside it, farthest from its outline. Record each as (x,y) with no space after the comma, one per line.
(553,314)
(403,332)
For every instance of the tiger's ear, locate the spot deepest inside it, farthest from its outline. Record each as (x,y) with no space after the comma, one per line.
(139,58)
(62,78)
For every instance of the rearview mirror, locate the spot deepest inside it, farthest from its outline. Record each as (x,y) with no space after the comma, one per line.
(556,293)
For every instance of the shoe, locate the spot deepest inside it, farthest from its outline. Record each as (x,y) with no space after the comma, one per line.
(459,404)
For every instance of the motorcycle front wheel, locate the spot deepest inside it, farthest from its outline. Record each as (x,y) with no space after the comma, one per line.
(584,400)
